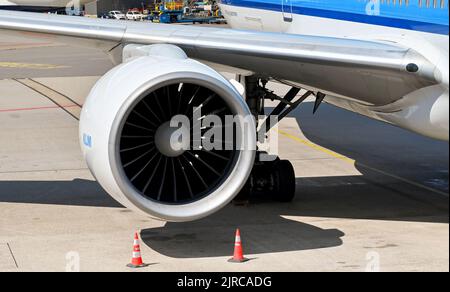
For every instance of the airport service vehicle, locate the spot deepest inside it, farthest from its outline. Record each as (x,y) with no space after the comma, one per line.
(117,15)
(389,62)
(178,16)
(134,15)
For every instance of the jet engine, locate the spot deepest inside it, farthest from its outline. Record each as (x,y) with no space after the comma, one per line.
(125,134)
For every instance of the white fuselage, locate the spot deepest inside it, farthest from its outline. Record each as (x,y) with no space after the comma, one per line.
(425,111)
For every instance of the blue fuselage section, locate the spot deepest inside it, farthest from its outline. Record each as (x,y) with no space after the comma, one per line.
(430,16)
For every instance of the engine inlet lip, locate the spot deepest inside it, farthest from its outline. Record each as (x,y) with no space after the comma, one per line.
(230,185)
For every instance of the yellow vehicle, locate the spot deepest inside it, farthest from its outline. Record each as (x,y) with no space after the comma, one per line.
(174,5)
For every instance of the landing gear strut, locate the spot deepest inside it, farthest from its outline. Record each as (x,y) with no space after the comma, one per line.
(274,179)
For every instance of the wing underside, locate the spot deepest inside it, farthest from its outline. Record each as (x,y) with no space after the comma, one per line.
(372,73)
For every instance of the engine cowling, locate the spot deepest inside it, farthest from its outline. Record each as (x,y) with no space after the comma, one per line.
(123,130)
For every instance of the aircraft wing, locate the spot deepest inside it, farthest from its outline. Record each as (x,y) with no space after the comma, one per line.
(373,73)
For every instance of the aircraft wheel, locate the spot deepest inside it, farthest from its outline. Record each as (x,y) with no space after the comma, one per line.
(274,180)
(285,181)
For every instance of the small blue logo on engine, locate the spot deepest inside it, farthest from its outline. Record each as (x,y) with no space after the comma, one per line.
(87,140)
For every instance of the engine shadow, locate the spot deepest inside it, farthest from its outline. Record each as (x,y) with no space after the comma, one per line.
(268,227)
(263,231)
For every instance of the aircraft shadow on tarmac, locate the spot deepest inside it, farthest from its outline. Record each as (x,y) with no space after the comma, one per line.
(266,226)
(269,227)
(377,144)
(349,197)
(373,194)
(78,192)
(263,230)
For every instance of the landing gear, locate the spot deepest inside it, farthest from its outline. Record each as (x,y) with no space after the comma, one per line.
(274,180)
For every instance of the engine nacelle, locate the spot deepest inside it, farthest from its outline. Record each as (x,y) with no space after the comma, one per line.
(123,133)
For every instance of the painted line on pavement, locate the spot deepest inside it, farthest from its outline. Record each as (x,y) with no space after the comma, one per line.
(60,100)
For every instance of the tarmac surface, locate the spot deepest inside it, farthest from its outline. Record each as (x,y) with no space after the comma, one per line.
(370,196)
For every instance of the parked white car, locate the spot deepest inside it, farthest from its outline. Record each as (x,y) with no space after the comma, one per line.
(117,15)
(134,15)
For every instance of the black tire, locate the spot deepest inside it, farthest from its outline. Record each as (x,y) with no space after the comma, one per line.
(286,181)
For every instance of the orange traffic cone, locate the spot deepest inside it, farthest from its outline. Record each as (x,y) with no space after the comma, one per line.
(238,256)
(136,261)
